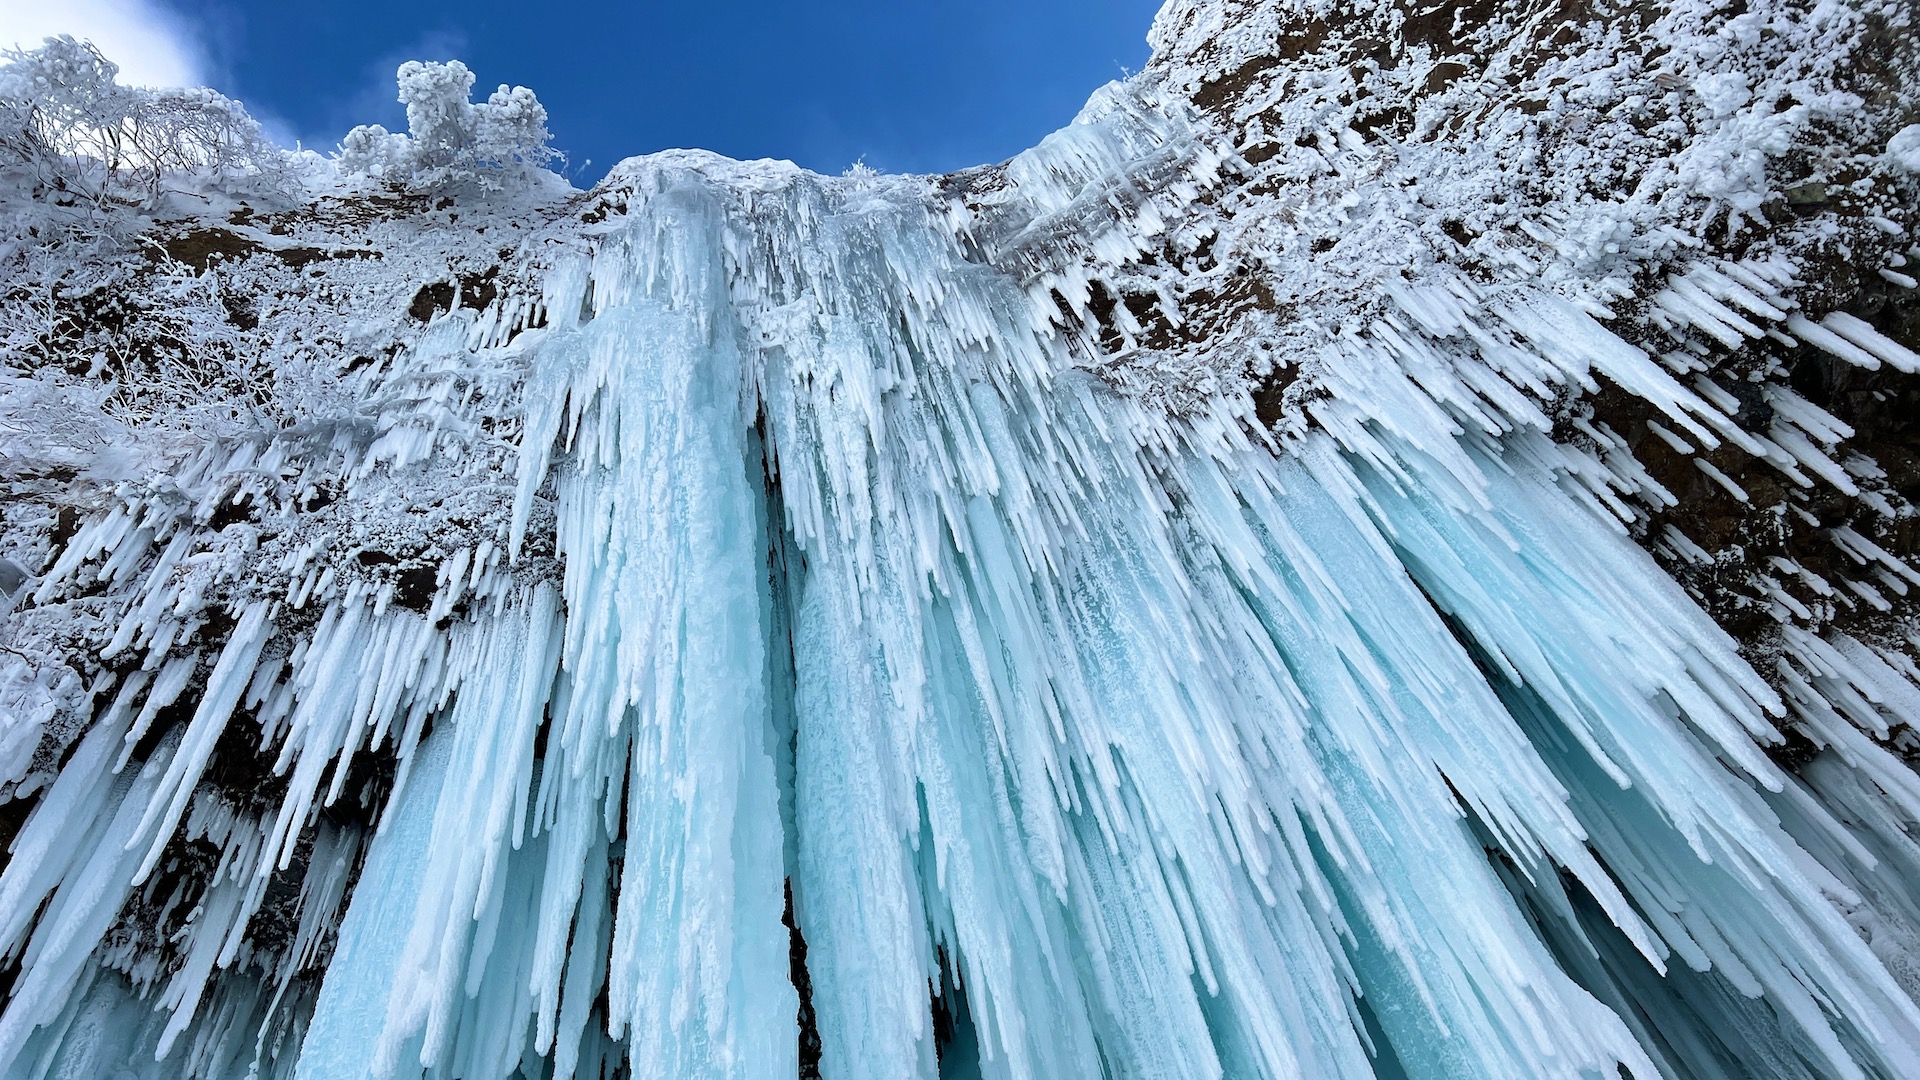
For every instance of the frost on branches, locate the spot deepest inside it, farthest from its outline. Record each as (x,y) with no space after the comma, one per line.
(1382,549)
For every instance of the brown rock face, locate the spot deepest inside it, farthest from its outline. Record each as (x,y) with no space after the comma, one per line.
(1520,145)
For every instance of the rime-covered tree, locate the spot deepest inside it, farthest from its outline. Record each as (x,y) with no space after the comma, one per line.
(65,116)
(501,143)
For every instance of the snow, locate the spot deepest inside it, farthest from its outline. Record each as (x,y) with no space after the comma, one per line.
(472,697)
(1904,148)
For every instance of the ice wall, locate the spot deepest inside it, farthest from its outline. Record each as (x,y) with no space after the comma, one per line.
(1149,747)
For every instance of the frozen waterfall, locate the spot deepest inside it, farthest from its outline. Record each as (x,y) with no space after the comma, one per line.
(830,597)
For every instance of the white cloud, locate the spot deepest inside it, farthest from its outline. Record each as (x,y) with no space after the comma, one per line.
(153,46)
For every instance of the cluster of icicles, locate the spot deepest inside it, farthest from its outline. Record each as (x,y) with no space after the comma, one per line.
(1124,744)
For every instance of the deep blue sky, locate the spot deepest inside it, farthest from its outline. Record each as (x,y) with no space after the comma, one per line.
(910,85)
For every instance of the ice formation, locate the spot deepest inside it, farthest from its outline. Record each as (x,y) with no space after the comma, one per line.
(791,562)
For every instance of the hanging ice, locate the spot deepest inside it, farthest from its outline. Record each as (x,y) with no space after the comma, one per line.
(830,576)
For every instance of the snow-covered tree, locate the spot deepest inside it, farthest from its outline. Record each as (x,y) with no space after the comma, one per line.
(451,142)
(64,115)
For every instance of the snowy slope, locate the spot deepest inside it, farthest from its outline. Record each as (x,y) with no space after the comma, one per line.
(1378,550)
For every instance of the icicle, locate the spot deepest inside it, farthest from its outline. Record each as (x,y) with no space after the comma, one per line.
(225,684)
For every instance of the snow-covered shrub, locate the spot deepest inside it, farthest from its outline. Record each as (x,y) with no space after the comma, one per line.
(64,115)
(451,142)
